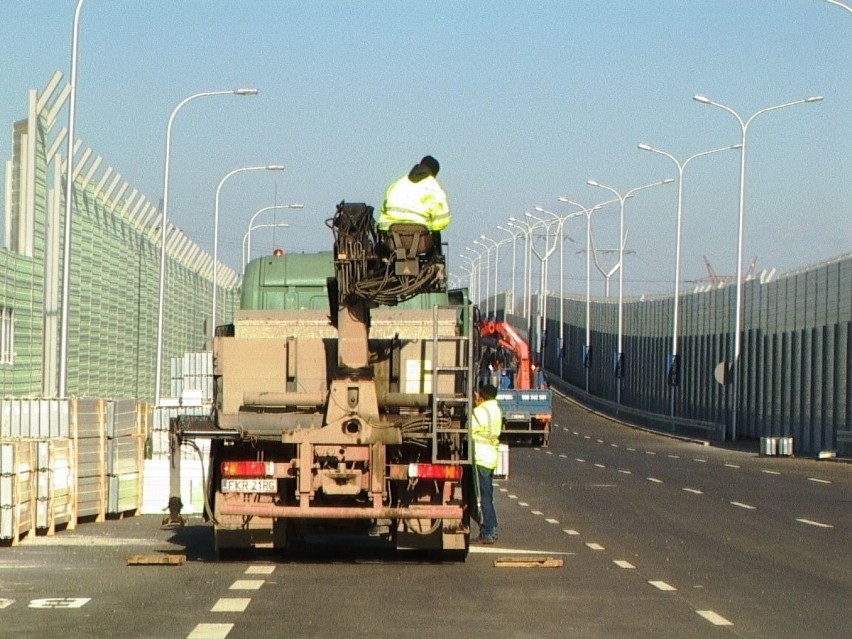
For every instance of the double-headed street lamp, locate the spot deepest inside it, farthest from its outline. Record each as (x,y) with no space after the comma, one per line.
(744,124)
(487,253)
(524,227)
(164,222)
(478,265)
(543,261)
(514,237)
(277,207)
(618,366)
(267,167)
(674,364)
(497,245)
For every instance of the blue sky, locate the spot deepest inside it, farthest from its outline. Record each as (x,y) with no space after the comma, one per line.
(521,102)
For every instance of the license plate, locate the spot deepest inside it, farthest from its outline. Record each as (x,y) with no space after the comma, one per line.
(249,486)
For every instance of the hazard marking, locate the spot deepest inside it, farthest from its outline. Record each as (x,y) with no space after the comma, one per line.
(60,602)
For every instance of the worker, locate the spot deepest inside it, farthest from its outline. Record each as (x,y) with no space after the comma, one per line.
(416,198)
(486,425)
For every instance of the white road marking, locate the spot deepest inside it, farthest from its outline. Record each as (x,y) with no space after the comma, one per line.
(231,605)
(594,546)
(626,472)
(60,602)
(504,490)
(570,531)
(673,456)
(5,603)
(731,466)
(523,503)
(210,631)
(494,550)
(818,524)
(581,460)
(655,480)
(632,450)
(614,445)
(600,441)
(563,456)
(586,437)
(662,585)
(537,512)
(739,504)
(246,584)
(700,460)
(552,521)
(599,466)
(623,564)
(771,472)
(714,618)
(650,452)
(694,491)
(819,481)
(259,570)
(549,452)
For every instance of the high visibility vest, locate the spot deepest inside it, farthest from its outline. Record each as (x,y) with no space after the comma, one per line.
(422,202)
(486,426)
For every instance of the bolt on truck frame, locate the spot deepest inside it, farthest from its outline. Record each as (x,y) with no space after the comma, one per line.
(342,392)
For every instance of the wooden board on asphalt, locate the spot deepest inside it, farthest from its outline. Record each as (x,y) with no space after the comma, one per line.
(156,560)
(527,562)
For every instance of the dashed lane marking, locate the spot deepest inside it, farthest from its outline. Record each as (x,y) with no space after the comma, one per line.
(260,570)
(739,504)
(632,450)
(246,584)
(694,491)
(599,466)
(731,466)
(570,531)
(655,480)
(226,604)
(523,503)
(714,618)
(563,456)
(700,460)
(650,452)
(552,521)
(594,546)
(537,512)
(582,461)
(513,496)
(549,452)
(811,522)
(621,563)
(600,441)
(819,481)
(210,631)
(673,456)
(625,472)
(5,603)
(614,445)
(770,472)
(662,585)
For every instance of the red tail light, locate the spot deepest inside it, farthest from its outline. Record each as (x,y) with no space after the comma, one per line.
(434,471)
(248,469)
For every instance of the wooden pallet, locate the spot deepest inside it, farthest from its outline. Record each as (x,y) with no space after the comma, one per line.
(156,560)
(527,562)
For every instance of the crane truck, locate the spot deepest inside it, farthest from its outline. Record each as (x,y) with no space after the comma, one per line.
(342,391)
(523,396)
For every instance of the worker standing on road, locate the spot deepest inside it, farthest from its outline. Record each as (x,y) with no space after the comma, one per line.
(486,425)
(416,198)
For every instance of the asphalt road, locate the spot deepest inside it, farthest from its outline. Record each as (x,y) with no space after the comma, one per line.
(658,537)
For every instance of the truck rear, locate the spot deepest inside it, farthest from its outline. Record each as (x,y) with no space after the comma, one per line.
(342,394)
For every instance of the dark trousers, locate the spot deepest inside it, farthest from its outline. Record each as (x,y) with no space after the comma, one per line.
(488,525)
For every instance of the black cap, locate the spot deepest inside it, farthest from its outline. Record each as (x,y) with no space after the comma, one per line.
(431,163)
(488,391)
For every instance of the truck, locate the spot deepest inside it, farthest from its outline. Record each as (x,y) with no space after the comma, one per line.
(506,361)
(342,392)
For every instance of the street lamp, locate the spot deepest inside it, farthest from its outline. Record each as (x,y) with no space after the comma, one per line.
(744,124)
(840,4)
(164,222)
(526,229)
(543,260)
(247,238)
(247,253)
(267,167)
(487,275)
(587,348)
(478,272)
(619,355)
(69,197)
(470,269)
(514,242)
(497,245)
(674,364)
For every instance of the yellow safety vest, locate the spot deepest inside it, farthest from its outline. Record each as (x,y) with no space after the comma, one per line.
(422,202)
(486,426)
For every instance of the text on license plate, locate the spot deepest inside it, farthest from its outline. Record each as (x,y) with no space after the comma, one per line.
(249,486)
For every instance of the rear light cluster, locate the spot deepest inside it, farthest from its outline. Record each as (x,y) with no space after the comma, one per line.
(434,471)
(248,469)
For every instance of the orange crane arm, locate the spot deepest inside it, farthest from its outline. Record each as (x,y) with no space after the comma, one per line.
(509,339)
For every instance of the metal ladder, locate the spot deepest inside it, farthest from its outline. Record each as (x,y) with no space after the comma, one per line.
(463,354)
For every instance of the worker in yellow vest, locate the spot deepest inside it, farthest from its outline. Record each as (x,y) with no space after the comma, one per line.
(486,425)
(416,198)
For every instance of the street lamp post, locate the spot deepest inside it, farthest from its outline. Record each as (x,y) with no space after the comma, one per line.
(69,197)
(674,363)
(267,167)
(277,207)
(487,254)
(526,229)
(619,355)
(543,262)
(478,273)
(470,270)
(587,348)
(164,222)
(247,238)
(497,245)
(744,124)
(514,242)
